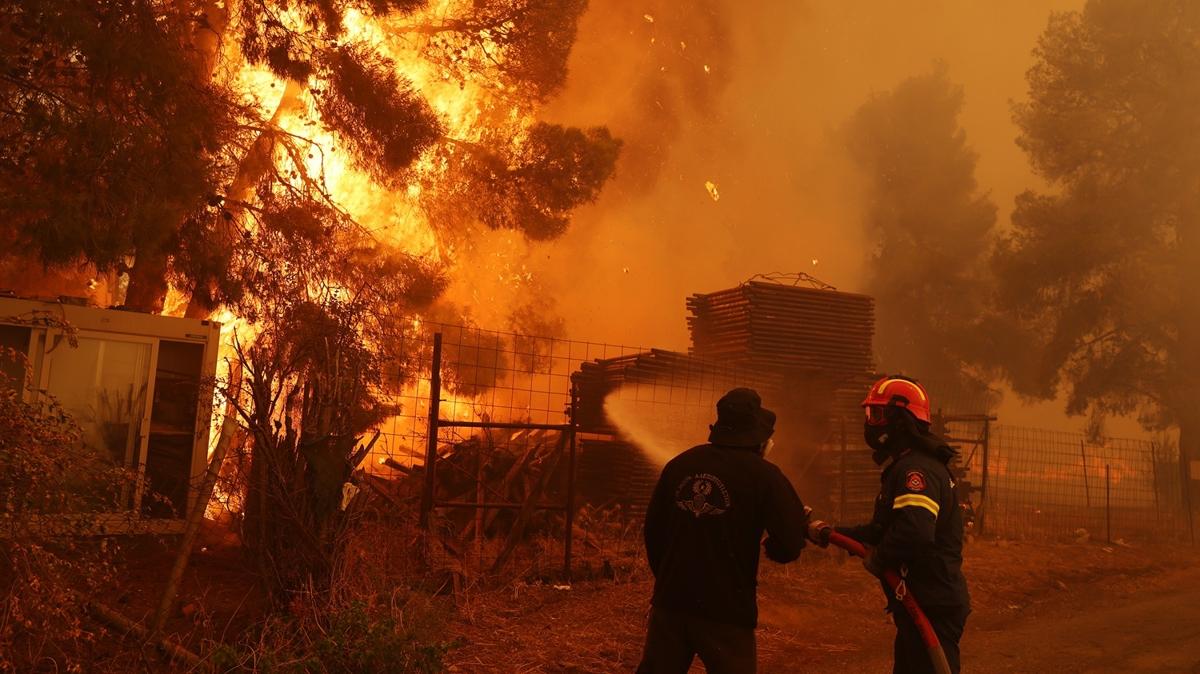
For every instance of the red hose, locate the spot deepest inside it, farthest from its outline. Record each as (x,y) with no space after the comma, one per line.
(893,580)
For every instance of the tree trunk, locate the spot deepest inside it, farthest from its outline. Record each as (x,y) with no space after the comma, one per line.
(147,282)
(258,160)
(210,29)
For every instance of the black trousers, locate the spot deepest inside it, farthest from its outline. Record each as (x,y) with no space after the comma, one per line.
(911,656)
(673,639)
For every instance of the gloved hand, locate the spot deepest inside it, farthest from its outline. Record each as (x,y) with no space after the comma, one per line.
(872,564)
(818,532)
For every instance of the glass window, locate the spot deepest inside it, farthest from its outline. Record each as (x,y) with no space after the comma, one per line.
(102,385)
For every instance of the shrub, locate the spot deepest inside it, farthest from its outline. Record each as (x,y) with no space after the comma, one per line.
(47,571)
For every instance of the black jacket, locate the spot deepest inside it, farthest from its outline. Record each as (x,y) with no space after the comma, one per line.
(917,528)
(704,526)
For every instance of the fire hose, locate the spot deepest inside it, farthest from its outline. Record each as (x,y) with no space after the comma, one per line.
(900,591)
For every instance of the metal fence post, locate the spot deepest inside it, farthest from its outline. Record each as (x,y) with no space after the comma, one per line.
(1154,481)
(431,441)
(1107,504)
(983,481)
(570,515)
(1185,492)
(842,478)
(1086,493)
(480,497)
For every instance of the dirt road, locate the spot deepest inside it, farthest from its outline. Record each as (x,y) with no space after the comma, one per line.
(1152,632)
(1054,608)
(1126,631)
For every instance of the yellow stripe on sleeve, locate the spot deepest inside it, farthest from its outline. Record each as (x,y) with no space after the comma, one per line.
(916,501)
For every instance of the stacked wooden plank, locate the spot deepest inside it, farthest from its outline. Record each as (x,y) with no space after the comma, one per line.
(808,351)
(784,326)
(820,338)
(614,473)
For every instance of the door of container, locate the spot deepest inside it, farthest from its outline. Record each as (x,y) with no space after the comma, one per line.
(103,381)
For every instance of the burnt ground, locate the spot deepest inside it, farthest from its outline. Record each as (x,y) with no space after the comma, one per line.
(1037,608)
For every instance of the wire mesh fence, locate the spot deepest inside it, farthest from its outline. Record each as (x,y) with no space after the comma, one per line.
(1053,483)
(487,376)
(511,413)
(501,491)
(500,377)
(515,408)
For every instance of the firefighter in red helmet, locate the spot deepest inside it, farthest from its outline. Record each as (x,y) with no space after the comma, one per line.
(917,527)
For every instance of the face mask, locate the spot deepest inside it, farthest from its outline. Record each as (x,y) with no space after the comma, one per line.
(877,439)
(891,437)
(766,447)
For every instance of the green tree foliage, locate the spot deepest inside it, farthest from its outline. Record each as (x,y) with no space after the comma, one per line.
(929,227)
(1100,274)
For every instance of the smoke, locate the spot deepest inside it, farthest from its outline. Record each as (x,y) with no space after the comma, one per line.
(761,125)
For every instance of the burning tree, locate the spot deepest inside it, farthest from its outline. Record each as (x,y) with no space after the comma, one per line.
(1100,273)
(532,38)
(137,131)
(301,167)
(930,226)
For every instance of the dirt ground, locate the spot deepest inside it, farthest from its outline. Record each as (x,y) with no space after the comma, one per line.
(1037,608)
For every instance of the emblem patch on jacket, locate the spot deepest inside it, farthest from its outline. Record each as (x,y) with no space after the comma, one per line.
(914,480)
(702,494)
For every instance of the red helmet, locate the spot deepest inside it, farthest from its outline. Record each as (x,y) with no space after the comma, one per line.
(901,391)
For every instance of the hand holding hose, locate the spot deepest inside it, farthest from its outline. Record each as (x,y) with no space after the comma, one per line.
(823,534)
(819,531)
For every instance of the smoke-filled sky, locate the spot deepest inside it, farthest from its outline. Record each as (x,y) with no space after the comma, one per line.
(762,124)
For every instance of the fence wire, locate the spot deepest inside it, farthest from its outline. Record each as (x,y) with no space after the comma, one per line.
(487,375)
(639,407)
(1053,483)
(636,408)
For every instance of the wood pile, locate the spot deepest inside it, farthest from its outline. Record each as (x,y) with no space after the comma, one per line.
(781,326)
(613,473)
(523,468)
(809,352)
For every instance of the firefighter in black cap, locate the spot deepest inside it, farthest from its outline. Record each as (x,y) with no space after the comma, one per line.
(704,527)
(917,529)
